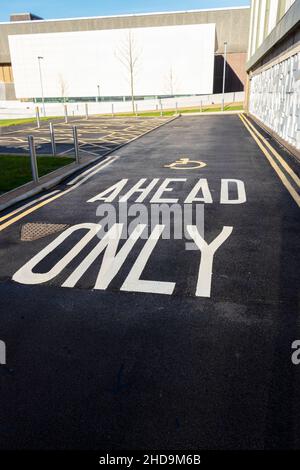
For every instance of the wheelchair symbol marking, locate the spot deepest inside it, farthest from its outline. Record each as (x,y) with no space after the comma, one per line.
(186,164)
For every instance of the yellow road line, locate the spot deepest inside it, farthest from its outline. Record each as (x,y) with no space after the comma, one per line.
(274,165)
(275,153)
(28,204)
(29,211)
(53,198)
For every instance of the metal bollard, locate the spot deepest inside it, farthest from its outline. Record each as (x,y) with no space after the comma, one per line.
(76,147)
(52,136)
(66,113)
(112,110)
(201,106)
(37,113)
(136,110)
(161,109)
(86,111)
(33,162)
(176,107)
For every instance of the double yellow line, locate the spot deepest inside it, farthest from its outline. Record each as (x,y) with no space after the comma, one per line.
(260,140)
(28,211)
(83,177)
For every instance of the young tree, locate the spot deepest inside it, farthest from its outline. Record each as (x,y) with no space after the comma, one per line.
(129,55)
(170,82)
(63,86)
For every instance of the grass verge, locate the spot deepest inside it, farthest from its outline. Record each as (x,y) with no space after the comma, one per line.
(15,170)
(172,112)
(167,112)
(17,122)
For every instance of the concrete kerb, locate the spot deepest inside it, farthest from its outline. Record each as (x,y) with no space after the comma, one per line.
(45,183)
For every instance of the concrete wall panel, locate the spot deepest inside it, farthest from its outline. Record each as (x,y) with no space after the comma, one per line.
(232,25)
(275,99)
(170,60)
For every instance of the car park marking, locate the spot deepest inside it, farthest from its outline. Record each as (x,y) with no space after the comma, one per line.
(115,132)
(274,165)
(275,153)
(114,258)
(184,164)
(53,198)
(103,163)
(16,211)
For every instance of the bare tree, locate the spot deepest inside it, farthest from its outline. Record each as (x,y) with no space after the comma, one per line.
(129,55)
(63,86)
(170,82)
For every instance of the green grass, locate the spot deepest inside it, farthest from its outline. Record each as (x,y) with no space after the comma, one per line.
(171,112)
(214,109)
(15,170)
(168,112)
(16,122)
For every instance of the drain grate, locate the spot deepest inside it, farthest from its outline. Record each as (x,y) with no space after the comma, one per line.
(34,231)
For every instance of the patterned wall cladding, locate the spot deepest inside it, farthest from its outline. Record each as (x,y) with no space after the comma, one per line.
(275,99)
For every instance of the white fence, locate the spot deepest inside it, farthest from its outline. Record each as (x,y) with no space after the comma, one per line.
(17,109)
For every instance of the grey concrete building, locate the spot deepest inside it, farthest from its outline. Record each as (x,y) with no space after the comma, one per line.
(232,26)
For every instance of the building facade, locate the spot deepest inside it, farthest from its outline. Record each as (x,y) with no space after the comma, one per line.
(273,68)
(198,35)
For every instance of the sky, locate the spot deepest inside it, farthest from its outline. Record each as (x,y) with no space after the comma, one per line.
(78,8)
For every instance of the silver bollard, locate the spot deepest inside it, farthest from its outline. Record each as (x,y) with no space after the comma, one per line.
(33,162)
(86,111)
(52,136)
(136,110)
(76,147)
(161,109)
(176,107)
(201,106)
(112,110)
(66,113)
(37,113)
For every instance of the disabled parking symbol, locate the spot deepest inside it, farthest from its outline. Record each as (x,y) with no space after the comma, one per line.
(186,164)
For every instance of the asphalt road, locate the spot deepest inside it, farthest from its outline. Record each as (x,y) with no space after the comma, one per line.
(119,366)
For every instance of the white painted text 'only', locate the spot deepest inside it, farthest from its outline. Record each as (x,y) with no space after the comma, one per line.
(113,259)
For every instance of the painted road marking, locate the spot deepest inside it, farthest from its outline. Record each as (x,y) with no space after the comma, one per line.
(113,260)
(53,198)
(274,165)
(7,216)
(77,178)
(201,188)
(186,164)
(275,153)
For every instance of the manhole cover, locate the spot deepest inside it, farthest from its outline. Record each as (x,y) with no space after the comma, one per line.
(34,231)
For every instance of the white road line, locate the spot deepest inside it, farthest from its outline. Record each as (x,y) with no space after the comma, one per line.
(88,152)
(28,205)
(53,198)
(94,169)
(66,151)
